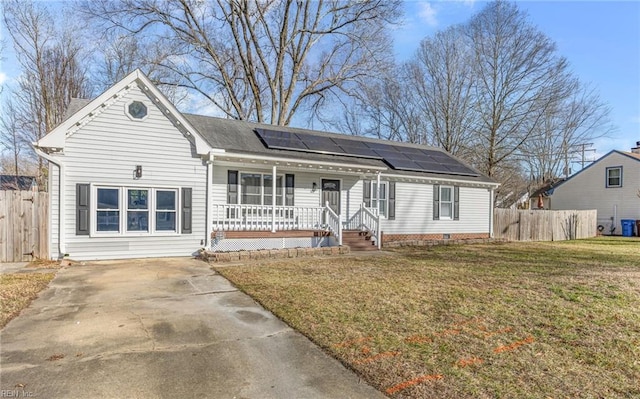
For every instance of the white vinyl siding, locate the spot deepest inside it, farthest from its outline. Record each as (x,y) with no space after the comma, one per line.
(587,190)
(105,152)
(414,211)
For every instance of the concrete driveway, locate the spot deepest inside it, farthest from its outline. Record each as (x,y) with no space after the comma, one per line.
(162,328)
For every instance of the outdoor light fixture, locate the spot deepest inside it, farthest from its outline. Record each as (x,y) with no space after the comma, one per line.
(138,171)
(314,187)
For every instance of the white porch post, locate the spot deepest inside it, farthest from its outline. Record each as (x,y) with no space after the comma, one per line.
(273,200)
(209,196)
(378,193)
(379,229)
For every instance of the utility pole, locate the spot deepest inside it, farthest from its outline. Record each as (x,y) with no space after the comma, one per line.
(583,150)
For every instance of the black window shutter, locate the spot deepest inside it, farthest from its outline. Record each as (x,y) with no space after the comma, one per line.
(289,190)
(186,211)
(392,201)
(436,202)
(232,187)
(83,213)
(366,193)
(456,203)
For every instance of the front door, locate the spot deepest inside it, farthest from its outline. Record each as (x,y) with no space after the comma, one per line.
(331,193)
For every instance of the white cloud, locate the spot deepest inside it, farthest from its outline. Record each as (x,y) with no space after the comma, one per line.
(427,14)
(3,78)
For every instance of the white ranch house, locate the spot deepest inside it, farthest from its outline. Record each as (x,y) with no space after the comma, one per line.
(131,176)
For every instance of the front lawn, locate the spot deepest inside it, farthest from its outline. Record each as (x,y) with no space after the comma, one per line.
(17,290)
(517,320)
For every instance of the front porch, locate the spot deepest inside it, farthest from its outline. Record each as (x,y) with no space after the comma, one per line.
(275,226)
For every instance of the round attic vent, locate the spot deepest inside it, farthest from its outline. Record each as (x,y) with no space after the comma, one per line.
(137,110)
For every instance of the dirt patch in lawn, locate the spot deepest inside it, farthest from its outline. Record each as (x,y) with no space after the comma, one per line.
(476,321)
(17,290)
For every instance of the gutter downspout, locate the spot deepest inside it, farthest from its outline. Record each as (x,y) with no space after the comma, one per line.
(61,193)
(208,240)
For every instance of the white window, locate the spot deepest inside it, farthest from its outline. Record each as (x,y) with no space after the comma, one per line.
(446,202)
(136,110)
(268,190)
(166,210)
(614,176)
(135,210)
(257,189)
(138,210)
(108,210)
(381,203)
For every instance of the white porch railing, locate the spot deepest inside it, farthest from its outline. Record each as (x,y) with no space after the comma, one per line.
(333,222)
(260,217)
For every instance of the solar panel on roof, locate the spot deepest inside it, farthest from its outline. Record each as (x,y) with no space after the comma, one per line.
(403,164)
(355,147)
(397,157)
(431,166)
(280,140)
(364,152)
(377,146)
(391,154)
(321,144)
(349,142)
(441,156)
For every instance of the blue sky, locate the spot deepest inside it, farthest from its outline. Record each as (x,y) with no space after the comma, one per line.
(600,39)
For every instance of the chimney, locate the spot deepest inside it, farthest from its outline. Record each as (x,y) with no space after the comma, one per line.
(636,149)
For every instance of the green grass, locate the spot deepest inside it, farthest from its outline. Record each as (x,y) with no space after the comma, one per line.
(517,320)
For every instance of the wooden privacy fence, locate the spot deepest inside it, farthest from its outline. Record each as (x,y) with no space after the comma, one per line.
(542,225)
(23,225)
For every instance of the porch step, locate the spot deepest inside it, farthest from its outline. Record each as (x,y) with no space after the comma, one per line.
(358,241)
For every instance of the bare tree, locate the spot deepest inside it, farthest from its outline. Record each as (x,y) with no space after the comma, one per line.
(51,73)
(118,55)
(10,139)
(383,109)
(518,77)
(440,76)
(259,60)
(568,123)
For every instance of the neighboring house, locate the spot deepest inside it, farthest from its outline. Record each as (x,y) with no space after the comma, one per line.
(610,185)
(13,182)
(133,177)
(540,198)
(514,200)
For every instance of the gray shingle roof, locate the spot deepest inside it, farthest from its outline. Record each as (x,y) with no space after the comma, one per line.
(237,136)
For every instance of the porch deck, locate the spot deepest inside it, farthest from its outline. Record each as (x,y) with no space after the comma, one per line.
(272,221)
